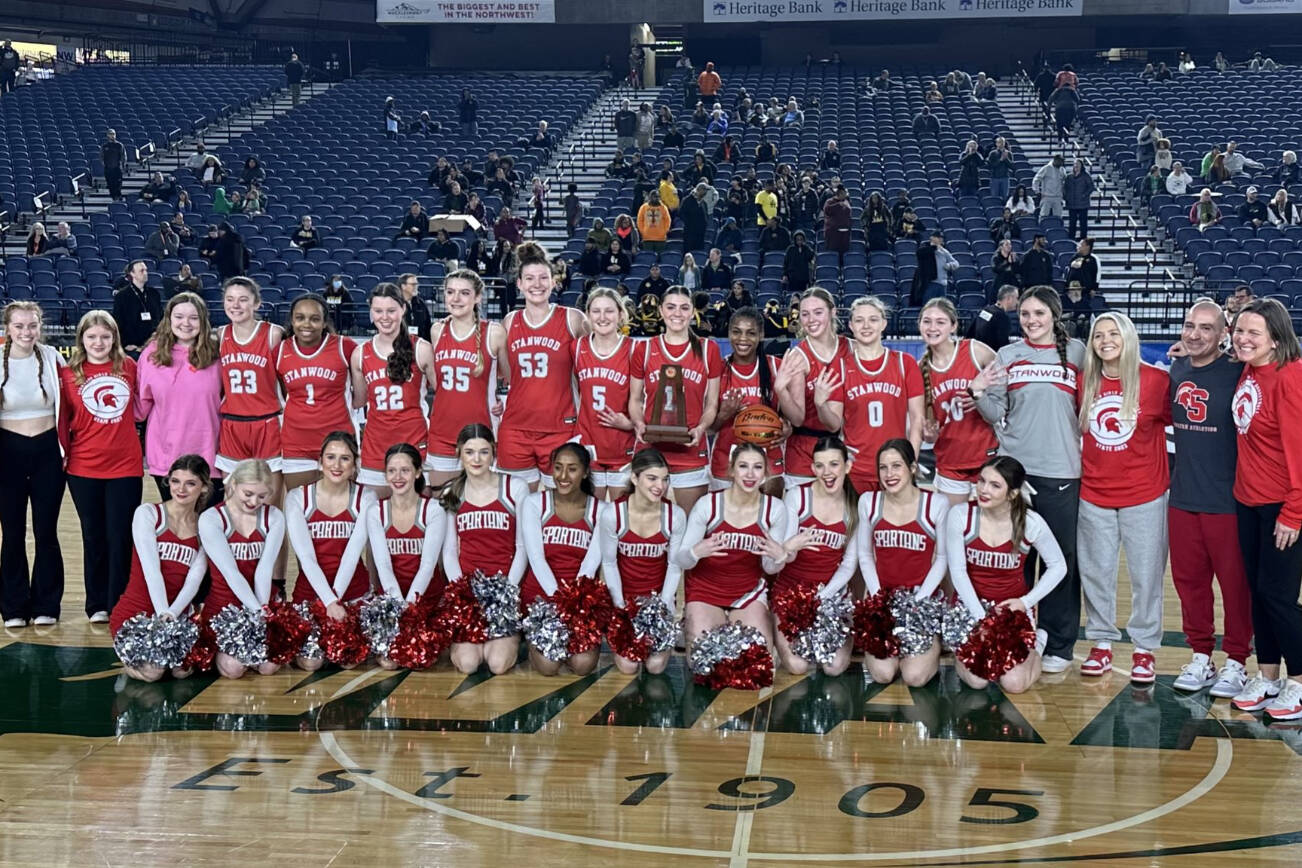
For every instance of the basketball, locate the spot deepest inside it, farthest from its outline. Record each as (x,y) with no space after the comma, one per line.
(758,424)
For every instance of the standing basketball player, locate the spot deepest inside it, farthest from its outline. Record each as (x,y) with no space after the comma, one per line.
(820,350)
(748,378)
(602,365)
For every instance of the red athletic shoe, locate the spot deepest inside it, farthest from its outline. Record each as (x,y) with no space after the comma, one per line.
(1098,663)
(1142,668)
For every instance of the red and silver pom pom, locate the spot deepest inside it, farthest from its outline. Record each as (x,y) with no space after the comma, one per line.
(478,608)
(421,638)
(795,607)
(917,622)
(311,648)
(201,656)
(643,627)
(342,641)
(287,629)
(826,621)
(546,631)
(956,625)
(1001,640)
(379,616)
(584,605)
(731,655)
(874,626)
(153,640)
(241,633)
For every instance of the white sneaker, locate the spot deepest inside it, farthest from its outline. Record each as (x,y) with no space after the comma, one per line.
(1288,705)
(15,623)
(44,621)
(1257,693)
(1196,674)
(1041,640)
(1052,663)
(100,617)
(1231,682)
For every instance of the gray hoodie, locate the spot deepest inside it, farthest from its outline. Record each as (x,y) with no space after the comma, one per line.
(1034,411)
(1048,182)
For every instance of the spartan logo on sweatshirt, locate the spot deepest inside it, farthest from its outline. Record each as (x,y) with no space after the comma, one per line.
(1247,401)
(106,398)
(1110,431)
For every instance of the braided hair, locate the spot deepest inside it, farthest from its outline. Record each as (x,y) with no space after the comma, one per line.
(1048,296)
(403,354)
(946,307)
(478,284)
(12,308)
(761,363)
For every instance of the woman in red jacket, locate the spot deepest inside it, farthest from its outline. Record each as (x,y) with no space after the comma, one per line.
(1268,491)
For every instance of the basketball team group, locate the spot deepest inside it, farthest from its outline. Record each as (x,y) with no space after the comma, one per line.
(450,532)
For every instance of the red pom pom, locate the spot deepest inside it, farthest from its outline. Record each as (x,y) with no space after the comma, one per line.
(874,626)
(750,670)
(586,609)
(421,636)
(204,652)
(1001,640)
(286,631)
(623,641)
(460,614)
(795,607)
(342,642)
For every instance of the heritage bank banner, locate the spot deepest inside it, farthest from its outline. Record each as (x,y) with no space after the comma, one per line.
(465,11)
(720,11)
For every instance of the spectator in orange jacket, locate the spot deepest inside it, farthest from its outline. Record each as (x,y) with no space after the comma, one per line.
(708,82)
(653,223)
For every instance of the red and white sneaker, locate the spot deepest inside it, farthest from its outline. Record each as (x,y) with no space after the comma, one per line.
(1257,693)
(1143,668)
(1098,663)
(1288,705)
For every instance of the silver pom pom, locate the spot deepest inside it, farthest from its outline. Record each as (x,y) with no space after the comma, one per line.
(152,640)
(725,642)
(499,600)
(546,631)
(379,616)
(654,623)
(956,625)
(829,631)
(242,634)
(312,644)
(916,621)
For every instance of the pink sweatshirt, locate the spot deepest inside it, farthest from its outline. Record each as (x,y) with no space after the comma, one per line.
(180,406)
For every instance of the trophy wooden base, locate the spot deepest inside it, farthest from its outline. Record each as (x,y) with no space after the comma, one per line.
(667,434)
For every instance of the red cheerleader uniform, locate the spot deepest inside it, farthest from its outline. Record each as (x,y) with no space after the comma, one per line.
(697,371)
(816,564)
(902,554)
(994,571)
(643,561)
(175,556)
(318,395)
(966,439)
(565,545)
(395,413)
(540,412)
(486,534)
(330,535)
(603,385)
(405,547)
(876,407)
(250,408)
(461,397)
(735,580)
(800,445)
(745,381)
(247,551)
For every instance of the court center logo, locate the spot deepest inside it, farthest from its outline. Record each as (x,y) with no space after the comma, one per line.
(106,398)
(1107,426)
(1247,401)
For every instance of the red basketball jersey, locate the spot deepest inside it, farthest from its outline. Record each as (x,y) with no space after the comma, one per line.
(461,397)
(249,385)
(541,397)
(175,556)
(736,579)
(603,385)
(642,560)
(876,399)
(247,551)
(800,446)
(486,534)
(405,547)
(745,381)
(966,439)
(995,571)
(814,565)
(318,394)
(330,535)
(903,552)
(697,371)
(395,413)
(565,544)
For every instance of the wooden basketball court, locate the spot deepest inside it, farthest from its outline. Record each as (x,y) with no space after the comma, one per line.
(371,767)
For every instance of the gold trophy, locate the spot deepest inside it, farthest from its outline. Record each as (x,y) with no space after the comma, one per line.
(668,422)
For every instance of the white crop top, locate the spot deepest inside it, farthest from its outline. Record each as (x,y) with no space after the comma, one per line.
(22,393)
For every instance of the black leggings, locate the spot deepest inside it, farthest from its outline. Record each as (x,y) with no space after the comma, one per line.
(1058,503)
(1274,577)
(30,471)
(105,507)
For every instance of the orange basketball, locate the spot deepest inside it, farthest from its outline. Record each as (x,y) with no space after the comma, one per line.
(757,424)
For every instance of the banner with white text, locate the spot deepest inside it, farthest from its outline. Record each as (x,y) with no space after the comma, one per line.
(721,11)
(1264,7)
(465,12)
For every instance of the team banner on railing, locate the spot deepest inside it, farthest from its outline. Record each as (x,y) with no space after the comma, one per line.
(720,11)
(465,11)
(1264,7)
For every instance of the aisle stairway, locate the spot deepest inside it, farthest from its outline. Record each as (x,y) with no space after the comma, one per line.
(1136,273)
